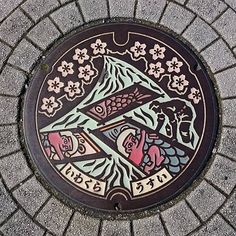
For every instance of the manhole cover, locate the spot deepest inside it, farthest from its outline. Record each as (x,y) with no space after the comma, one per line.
(120,117)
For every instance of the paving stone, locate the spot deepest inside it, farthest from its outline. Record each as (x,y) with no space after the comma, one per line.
(87,226)
(38,8)
(48,234)
(11,81)
(4,52)
(225,25)
(181,1)
(64,1)
(218,56)
(232,3)
(24,56)
(31,192)
(14,27)
(7,206)
(8,110)
(180,220)
(200,34)
(228,142)
(20,225)
(176,17)
(229,209)
(207,9)
(9,139)
(215,227)
(150,10)
(14,169)
(54,216)
(223,173)
(121,8)
(229,112)
(44,33)
(205,200)
(115,228)
(94,9)
(67,18)
(7,7)
(150,226)
(226,82)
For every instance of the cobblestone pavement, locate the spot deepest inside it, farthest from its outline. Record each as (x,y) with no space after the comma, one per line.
(28,29)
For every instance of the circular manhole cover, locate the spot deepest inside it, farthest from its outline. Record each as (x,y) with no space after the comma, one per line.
(124,117)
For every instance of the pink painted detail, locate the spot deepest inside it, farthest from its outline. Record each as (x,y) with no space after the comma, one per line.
(56,141)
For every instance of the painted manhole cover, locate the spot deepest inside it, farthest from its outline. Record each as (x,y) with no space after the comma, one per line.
(124,117)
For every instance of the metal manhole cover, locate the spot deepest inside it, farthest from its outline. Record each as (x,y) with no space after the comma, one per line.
(124,118)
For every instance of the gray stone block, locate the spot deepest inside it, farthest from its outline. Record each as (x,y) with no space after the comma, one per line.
(150,226)
(14,27)
(44,33)
(7,7)
(180,220)
(121,8)
(9,139)
(207,9)
(11,81)
(24,56)
(223,173)
(94,9)
(218,56)
(14,169)
(205,200)
(67,18)
(176,18)
(228,142)
(150,10)
(232,3)
(215,227)
(229,209)
(8,110)
(54,216)
(38,8)
(20,224)
(64,1)
(115,228)
(7,205)
(88,226)
(225,25)
(31,195)
(181,1)
(48,234)
(226,82)
(4,52)
(200,34)
(229,112)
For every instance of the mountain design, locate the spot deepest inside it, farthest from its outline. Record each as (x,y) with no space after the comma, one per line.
(117,76)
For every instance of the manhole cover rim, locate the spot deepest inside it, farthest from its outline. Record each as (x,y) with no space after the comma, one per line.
(41,73)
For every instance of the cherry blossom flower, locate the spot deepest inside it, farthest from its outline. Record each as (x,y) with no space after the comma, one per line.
(174,65)
(73,89)
(98,47)
(49,104)
(155,69)
(179,83)
(55,85)
(85,73)
(195,95)
(81,55)
(66,68)
(157,52)
(138,49)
